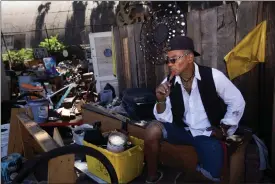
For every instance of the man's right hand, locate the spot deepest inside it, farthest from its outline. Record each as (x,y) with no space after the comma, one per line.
(162,91)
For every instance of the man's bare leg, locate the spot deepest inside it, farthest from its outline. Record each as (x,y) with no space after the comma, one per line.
(153,136)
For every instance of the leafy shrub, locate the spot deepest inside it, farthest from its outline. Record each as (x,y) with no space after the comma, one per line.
(18,56)
(52,44)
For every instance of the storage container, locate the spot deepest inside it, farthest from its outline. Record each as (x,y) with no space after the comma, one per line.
(128,164)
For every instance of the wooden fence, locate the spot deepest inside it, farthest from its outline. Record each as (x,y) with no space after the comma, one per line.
(215,32)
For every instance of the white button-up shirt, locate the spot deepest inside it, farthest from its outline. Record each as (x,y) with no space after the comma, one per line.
(195,116)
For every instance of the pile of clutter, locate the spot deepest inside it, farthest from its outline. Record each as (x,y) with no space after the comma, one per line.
(135,103)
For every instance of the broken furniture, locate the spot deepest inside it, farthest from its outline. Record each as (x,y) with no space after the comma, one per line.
(29,139)
(38,147)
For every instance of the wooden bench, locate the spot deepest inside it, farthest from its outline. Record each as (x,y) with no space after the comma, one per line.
(179,156)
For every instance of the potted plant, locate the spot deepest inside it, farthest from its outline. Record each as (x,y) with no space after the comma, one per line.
(54,47)
(17,58)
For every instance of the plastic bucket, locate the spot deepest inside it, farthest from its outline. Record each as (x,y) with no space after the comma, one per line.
(39,109)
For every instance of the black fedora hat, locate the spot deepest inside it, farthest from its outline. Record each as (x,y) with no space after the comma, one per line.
(182,43)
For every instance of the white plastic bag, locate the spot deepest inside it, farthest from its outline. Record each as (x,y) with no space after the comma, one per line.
(5,131)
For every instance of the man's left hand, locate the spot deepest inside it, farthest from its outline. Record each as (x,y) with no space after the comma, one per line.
(224,128)
(219,133)
(216,132)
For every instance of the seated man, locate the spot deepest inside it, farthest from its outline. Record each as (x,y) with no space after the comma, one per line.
(196,105)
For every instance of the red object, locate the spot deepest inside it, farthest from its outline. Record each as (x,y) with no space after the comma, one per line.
(61,123)
(225,159)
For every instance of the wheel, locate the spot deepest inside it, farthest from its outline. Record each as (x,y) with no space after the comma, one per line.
(30,165)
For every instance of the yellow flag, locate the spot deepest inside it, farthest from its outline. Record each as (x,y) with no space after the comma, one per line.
(247,53)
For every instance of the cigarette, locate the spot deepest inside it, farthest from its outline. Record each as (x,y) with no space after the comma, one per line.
(171,76)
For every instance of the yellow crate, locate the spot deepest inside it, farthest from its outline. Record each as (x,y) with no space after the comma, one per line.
(128,164)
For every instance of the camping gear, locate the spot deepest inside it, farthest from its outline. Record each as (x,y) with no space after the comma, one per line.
(39,109)
(139,103)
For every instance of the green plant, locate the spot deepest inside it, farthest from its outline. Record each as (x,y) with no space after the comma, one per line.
(52,44)
(26,54)
(18,56)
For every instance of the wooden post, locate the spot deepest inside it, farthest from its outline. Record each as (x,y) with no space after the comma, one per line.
(15,139)
(127,62)
(132,55)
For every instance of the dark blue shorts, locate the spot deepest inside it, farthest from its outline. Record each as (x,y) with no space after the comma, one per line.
(209,150)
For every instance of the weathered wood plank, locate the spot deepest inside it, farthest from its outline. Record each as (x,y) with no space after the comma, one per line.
(267,81)
(57,137)
(247,18)
(273,135)
(160,74)
(107,123)
(141,66)
(44,140)
(119,63)
(31,148)
(225,33)
(209,37)
(194,31)
(151,75)
(123,34)
(246,22)
(35,140)
(15,141)
(126,57)
(61,169)
(132,55)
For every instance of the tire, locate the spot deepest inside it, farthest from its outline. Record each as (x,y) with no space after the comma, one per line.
(30,165)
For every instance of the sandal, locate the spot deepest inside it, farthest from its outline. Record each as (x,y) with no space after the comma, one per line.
(157,179)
